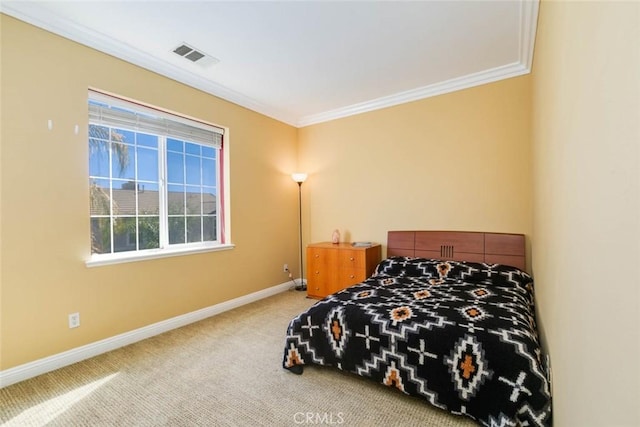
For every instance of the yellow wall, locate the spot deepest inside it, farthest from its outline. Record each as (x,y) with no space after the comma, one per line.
(586,257)
(553,155)
(460,161)
(45,201)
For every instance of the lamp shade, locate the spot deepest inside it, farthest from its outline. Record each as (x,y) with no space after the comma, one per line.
(299,177)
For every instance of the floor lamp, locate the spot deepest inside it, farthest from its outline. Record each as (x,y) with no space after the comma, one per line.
(300,178)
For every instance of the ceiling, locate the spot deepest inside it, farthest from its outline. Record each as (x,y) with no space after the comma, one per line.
(306,62)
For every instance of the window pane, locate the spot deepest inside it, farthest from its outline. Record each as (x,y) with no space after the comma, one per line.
(124,234)
(175,145)
(192,148)
(193,170)
(147,140)
(194,201)
(208,152)
(147,164)
(101,132)
(175,168)
(148,199)
(98,158)
(194,229)
(209,228)
(124,197)
(121,135)
(100,235)
(175,199)
(176,229)
(100,201)
(122,161)
(208,202)
(209,172)
(149,232)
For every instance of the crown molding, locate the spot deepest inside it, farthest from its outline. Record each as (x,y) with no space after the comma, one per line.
(468,81)
(32,14)
(528,25)
(29,12)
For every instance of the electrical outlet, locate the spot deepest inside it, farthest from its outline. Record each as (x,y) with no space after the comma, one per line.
(285,268)
(74,320)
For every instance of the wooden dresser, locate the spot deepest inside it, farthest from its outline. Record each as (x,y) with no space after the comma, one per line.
(332,267)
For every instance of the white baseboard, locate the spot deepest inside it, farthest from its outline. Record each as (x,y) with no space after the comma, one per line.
(48,364)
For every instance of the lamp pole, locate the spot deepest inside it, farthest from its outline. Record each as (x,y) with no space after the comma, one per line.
(303,287)
(300,178)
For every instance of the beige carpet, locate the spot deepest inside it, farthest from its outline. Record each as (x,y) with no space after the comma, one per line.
(222,371)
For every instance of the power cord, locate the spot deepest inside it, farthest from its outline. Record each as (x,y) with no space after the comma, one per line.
(301,286)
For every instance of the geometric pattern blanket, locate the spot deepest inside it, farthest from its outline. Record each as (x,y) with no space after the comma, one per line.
(461,335)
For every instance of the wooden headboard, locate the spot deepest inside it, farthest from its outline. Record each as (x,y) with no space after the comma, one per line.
(494,248)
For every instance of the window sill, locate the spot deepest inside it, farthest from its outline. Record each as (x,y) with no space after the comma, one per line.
(99,260)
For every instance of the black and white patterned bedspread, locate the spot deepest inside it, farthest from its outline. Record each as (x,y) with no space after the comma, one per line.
(461,335)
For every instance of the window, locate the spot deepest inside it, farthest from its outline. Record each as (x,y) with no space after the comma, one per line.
(155,182)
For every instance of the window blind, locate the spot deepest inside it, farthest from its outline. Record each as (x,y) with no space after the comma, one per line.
(110,111)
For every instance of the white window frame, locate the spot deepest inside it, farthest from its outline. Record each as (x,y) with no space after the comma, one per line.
(223,228)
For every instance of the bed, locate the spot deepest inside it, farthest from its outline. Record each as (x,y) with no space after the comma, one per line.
(448,317)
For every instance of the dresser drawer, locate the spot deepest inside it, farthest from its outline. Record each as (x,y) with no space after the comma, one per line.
(352,259)
(321,274)
(350,276)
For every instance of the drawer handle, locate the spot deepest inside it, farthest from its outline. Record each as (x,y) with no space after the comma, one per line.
(352,276)
(317,256)
(317,272)
(351,258)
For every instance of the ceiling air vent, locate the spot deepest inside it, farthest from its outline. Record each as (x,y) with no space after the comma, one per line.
(195,56)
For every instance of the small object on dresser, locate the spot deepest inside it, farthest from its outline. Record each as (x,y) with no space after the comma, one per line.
(335,237)
(361,244)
